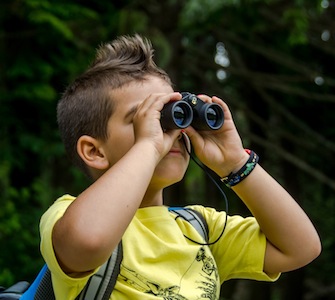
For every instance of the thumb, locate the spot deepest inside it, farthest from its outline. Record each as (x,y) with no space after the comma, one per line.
(195,138)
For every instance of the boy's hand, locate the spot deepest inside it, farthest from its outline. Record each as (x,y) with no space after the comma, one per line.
(220,150)
(147,126)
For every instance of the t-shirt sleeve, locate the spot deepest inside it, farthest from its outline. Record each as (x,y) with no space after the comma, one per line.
(240,252)
(65,285)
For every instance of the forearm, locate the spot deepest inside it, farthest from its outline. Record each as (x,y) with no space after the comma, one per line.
(95,222)
(292,239)
(283,222)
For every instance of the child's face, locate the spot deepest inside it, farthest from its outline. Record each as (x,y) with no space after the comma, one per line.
(172,167)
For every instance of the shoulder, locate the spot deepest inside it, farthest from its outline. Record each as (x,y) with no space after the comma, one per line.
(234,227)
(209,213)
(213,215)
(56,210)
(62,202)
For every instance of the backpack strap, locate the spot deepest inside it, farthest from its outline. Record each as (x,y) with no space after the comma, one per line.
(41,288)
(14,292)
(195,218)
(45,288)
(101,284)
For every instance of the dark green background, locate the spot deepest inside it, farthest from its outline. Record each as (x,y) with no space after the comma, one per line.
(279,85)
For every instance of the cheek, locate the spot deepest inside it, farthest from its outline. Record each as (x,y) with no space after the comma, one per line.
(118,145)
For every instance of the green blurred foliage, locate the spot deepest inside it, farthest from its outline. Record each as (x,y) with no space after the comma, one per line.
(278,81)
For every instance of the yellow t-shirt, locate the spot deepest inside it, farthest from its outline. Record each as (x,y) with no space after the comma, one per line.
(160,263)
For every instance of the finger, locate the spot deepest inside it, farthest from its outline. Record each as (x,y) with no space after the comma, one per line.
(172,135)
(226,110)
(205,98)
(154,103)
(194,137)
(164,98)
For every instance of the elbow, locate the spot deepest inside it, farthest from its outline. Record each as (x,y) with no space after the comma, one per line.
(77,251)
(307,247)
(310,252)
(94,248)
(316,248)
(300,253)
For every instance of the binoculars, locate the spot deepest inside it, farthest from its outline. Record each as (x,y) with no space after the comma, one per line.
(191,110)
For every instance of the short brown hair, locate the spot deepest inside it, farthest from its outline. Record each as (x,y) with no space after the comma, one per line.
(86,105)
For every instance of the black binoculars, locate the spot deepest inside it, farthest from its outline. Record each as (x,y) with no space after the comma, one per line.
(191,110)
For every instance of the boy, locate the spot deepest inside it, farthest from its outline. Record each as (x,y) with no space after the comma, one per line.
(109,119)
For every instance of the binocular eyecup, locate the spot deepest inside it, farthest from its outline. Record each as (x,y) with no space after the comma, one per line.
(191,111)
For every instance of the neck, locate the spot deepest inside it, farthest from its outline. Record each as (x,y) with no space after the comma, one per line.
(152,198)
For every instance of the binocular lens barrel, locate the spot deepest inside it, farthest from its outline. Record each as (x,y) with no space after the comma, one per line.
(208,117)
(177,114)
(191,111)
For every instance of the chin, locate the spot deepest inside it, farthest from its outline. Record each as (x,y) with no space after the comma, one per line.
(164,183)
(169,176)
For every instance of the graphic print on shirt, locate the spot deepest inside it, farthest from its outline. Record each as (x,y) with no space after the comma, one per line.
(205,280)
(209,285)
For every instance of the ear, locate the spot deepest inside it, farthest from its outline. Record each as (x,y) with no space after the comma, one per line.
(92,153)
